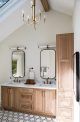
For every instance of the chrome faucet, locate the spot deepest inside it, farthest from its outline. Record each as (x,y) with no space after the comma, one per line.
(47,80)
(16,79)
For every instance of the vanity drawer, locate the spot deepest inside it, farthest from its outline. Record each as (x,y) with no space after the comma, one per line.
(26,97)
(25,90)
(25,107)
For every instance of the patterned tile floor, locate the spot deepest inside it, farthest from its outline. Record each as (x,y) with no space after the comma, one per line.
(8,116)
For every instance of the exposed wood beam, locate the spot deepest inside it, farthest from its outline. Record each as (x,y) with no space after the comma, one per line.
(45,5)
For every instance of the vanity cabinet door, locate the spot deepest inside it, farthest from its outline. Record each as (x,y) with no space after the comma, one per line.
(24,100)
(8,100)
(50,102)
(64,76)
(11,98)
(45,102)
(38,101)
(4,97)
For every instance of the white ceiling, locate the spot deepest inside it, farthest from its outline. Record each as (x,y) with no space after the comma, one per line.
(11,19)
(64,6)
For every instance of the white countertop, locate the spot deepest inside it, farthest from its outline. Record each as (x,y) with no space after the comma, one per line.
(36,86)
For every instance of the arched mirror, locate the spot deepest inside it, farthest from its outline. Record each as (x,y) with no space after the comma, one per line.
(18,63)
(47,63)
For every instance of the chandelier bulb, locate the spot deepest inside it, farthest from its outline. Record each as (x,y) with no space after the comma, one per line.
(35,25)
(35,18)
(40,15)
(31,3)
(39,11)
(44,18)
(28,18)
(23,14)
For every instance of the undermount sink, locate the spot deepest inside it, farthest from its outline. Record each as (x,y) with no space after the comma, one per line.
(13,83)
(43,85)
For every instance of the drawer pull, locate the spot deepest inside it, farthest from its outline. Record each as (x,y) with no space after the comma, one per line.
(27,97)
(25,91)
(27,107)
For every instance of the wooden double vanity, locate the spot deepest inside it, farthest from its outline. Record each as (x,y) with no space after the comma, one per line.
(38,101)
(33,99)
(46,100)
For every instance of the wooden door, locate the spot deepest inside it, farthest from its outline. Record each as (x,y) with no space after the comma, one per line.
(50,102)
(38,101)
(64,58)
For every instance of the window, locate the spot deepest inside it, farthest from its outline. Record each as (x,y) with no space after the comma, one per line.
(3,2)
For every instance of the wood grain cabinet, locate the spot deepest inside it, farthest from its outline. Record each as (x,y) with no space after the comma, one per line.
(50,102)
(35,101)
(25,99)
(45,102)
(38,101)
(8,98)
(64,58)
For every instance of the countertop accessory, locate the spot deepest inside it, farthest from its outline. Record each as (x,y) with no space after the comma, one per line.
(30,81)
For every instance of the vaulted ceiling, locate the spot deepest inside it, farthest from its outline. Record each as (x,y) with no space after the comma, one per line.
(11,18)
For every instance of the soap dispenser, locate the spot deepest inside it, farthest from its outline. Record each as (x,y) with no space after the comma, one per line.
(31,73)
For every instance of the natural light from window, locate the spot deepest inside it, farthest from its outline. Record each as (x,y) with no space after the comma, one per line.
(3,2)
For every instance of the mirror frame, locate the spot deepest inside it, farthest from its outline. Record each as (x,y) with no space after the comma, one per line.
(48,48)
(18,50)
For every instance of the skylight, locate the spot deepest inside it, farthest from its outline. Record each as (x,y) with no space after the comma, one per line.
(7,7)
(3,2)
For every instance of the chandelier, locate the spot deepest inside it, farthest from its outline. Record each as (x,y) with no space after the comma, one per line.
(34,18)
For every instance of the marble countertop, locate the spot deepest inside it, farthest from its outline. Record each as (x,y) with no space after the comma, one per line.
(36,86)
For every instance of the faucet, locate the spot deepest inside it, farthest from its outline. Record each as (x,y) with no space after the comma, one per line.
(47,80)
(16,79)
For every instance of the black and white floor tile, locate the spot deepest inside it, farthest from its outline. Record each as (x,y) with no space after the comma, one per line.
(9,116)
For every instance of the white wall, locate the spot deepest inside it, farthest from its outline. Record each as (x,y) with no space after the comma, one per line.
(27,36)
(76,23)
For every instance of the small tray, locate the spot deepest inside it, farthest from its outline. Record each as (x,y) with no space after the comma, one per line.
(30,81)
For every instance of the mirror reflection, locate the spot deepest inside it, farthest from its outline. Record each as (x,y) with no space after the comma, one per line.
(18,63)
(47,63)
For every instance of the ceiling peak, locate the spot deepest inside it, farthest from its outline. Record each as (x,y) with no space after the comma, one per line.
(45,5)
